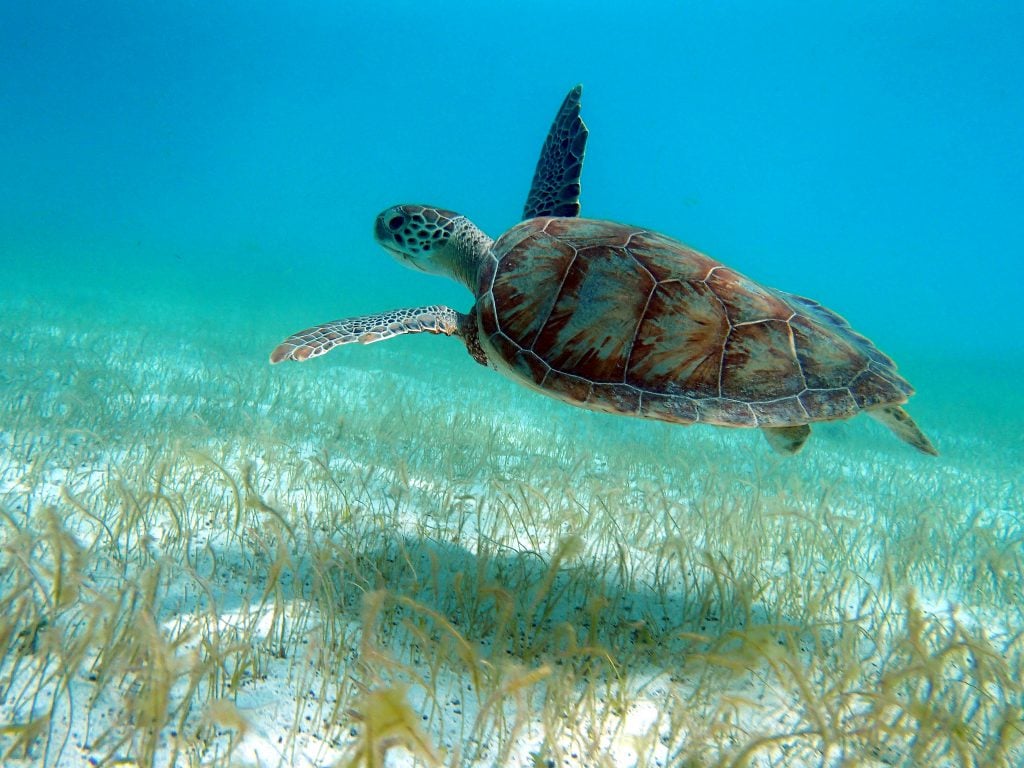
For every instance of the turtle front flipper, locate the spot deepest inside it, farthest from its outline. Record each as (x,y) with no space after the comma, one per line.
(556,182)
(321,339)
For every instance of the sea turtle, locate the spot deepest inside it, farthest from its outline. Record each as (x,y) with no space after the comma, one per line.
(624,320)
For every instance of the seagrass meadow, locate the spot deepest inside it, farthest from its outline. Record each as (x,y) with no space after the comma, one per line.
(392,557)
(404,560)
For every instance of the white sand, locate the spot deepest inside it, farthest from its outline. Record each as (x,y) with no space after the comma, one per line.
(666,584)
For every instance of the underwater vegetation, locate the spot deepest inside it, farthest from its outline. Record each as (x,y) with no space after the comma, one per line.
(206,562)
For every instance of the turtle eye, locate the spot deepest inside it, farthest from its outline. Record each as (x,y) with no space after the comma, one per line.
(396,222)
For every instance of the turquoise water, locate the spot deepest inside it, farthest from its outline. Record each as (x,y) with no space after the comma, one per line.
(182,186)
(864,155)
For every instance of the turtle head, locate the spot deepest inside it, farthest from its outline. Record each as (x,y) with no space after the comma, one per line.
(416,235)
(432,240)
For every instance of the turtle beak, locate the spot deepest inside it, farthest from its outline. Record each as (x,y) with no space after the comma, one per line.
(385,238)
(402,257)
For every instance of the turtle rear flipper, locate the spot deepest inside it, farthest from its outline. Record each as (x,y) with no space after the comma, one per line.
(321,339)
(556,182)
(899,421)
(787,440)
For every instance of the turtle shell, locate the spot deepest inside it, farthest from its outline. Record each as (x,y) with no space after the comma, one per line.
(619,319)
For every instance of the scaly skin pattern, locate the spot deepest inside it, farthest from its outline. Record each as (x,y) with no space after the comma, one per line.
(618,319)
(556,182)
(321,339)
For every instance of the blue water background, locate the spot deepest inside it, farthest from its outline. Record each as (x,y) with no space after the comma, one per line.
(234,155)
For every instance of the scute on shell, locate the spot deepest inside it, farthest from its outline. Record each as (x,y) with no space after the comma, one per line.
(629,321)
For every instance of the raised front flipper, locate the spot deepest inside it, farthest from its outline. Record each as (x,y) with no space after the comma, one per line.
(556,182)
(321,339)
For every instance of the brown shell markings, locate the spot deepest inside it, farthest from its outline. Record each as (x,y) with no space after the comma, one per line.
(623,320)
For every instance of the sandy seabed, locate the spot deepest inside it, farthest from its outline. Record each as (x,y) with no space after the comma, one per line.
(392,557)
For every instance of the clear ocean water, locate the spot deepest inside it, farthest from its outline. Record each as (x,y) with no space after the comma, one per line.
(193,182)
(864,154)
